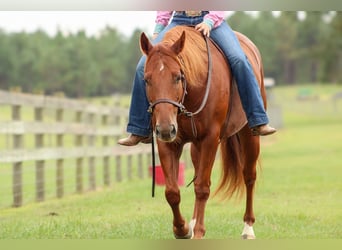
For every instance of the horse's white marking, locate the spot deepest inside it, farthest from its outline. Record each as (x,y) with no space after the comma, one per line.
(192,224)
(248,232)
(190,233)
(161,66)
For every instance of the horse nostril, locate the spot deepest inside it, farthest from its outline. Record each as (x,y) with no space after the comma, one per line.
(173,130)
(157,130)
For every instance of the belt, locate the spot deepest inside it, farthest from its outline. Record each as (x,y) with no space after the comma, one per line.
(190,13)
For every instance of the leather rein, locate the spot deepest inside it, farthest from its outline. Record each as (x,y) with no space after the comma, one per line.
(181,108)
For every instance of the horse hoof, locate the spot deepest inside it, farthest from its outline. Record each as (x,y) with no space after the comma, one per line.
(190,233)
(185,237)
(248,237)
(248,232)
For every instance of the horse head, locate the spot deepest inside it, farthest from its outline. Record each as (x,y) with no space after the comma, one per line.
(165,85)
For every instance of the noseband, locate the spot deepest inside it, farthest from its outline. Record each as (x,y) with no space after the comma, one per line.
(181,107)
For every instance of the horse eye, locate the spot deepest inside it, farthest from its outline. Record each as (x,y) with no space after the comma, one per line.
(178,78)
(147,81)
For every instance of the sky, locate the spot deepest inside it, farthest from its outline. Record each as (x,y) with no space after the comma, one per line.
(72,21)
(92,22)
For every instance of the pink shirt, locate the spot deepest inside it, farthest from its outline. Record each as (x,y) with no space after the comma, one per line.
(213,18)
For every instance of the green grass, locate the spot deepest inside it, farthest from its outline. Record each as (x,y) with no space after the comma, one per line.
(298,193)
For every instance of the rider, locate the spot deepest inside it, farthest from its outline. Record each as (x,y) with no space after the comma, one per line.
(211,24)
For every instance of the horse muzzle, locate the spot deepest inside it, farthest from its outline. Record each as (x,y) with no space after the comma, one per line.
(166,133)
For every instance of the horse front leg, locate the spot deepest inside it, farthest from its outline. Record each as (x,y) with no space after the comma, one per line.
(203,156)
(169,155)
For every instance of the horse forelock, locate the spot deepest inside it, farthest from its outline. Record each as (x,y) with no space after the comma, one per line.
(162,57)
(193,58)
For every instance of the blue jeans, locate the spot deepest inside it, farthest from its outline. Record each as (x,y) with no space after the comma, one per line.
(139,118)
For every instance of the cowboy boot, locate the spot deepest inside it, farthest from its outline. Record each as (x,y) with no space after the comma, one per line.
(133,140)
(263,130)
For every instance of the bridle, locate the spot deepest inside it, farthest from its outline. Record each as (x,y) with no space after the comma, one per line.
(181,108)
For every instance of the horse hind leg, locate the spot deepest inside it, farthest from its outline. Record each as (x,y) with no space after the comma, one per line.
(250,150)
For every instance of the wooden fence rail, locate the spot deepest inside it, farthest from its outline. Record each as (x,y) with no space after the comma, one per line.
(42,130)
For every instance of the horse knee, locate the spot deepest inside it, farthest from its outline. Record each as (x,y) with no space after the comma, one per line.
(202,193)
(172,196)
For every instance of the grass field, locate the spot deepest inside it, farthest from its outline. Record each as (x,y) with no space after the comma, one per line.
(298,194)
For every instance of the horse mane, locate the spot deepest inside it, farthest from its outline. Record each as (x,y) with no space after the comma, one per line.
(193,59)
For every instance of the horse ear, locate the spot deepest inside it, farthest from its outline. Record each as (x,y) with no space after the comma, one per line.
(178,46)
(145,44)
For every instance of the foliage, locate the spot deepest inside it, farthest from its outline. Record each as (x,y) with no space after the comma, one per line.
(74,64)
(293,50)
(296,49)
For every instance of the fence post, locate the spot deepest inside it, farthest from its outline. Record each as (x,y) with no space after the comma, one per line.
(17,166)
(129,167)
(116,117)
(39,141)
(91,160)
(149,163)
(79,161)
(140,166)
(106,169)
(118,168)
(60,162)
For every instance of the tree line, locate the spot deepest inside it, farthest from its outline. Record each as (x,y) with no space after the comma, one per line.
(293,50)
(296,49)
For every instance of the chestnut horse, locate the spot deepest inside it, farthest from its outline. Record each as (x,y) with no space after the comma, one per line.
(194,100)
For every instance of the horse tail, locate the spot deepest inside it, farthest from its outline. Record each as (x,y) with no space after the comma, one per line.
(232,180)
